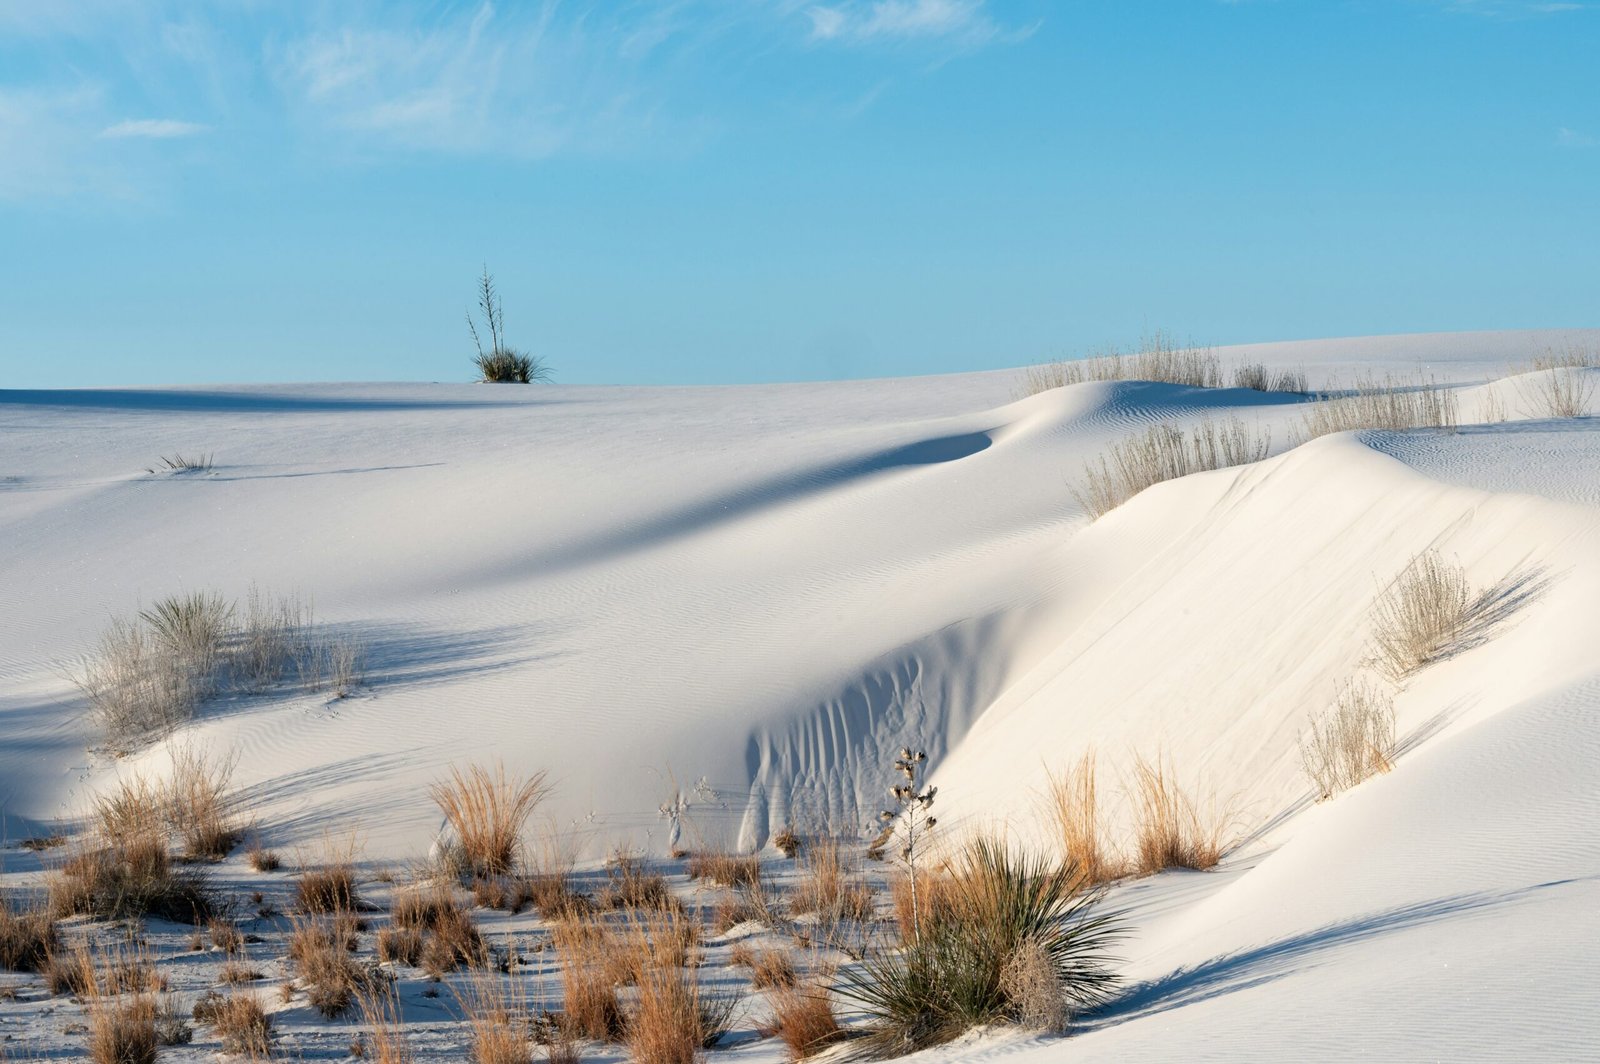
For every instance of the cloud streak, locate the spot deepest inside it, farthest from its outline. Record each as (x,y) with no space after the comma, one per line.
(154,129)
(863,21)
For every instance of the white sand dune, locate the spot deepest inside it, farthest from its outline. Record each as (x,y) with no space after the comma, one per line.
(751,596)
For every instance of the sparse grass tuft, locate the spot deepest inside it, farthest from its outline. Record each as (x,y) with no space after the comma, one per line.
(1163,452)
(635,886)
(787,843)
(487,812)
(332,886)
(243,1025)
(386,1041)
(499,1022)
(1351,741)
(665,1026)
(1390,403)
(1561,389)
(198,806)
(1257,377)
(400,945)
(27,937)
(589,1006)
(262,859)
(133,877)
(726,869)
(1074,808)
(1172,831)
(768,968)
(1158,358)
(1421,616)
(804,1018)
(123,1032)
(329,973)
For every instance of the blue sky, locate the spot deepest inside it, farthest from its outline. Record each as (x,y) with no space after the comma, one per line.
(691,191)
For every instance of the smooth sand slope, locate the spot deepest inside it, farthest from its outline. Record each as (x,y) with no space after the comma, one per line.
(743,599)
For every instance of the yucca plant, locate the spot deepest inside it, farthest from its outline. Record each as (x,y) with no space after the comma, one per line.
(500,363)
(956,973)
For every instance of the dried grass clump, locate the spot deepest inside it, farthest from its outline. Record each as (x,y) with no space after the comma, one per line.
(225,935)
(400,945)
(1172,831)
(1033,986)
(1562,388)
(197,804)
(1158,358)
(1257,377)
(1351,741)
(487,812)
(726,869)
(1163,453)
(244,1026)
(134,686)
(1073,804)
(332,886)
(672,1020)
(123,1032)
(589,1006)
(330,975)
(134,877)
(1392,404)
(787,843)
(1422,616)
(235,973)
(498,1018)
(552,894)
(768,967)
(935,896)
(27,937)
(262,859)
(453,942)
(804,1018)
(960,971)
(386,1041)
(635,886)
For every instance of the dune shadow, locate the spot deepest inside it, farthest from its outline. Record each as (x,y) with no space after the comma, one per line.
(140,400)
(1246,969)
(777,491)
(1497,604)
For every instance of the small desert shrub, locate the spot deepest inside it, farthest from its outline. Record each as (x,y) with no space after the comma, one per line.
(135,687)
(1074,809)
(1257,377)
(589,1006)
(487,812)
(804,1018)
(1158,358)
(273,637)
(1422,616)
(1390,404)
(500,363)
(331,662)
(726,869)
(123,1032)
(787,843)
(323,960)
(954,974)
(226,936)
(499,1022)
(179,463)
(234,973)
(27,937)
(453,942)
(1162,453)
(1030,982)
(243,1025)
(1350,742)
(400,945)
(172,1029)
(1171,829)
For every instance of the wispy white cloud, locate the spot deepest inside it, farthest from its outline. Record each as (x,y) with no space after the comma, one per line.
(858,21)
(1514,8)
(1572,138)
(154,128)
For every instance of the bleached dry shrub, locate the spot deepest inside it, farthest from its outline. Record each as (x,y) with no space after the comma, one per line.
(1030,981)
(487,812)
(1561,388)
(197,804)
(331,885)
(589,1006)
(633,885)
(135,686)
(332,662)
(1392,403)
(726,869)
(1164,452)
(1351,741)
(1422,616)
(787,843)
(1158,358)
(768,968)
(1172,830)
(272,638)
(132,877)
(1257,377)
(1073,804)
(953,975)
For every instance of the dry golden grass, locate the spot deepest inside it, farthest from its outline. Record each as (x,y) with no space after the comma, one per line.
(935,895)
(665,1025)
(322,954)
(726,869)
(244,1026)
(1562,389)
(27,937)
(133,877)
(331,885)
(804,1018)
(487,811)
(634,886)
(123,1032)
(453,942)
(262,859)
(654,939)
(589,975)
(499,1021)
(769,967)
(787,843)
(385,1040)
(225,935)
(1164,452)
(235,973)
(1171,828)
(1350,742)
(552,894)
(1073,804)
(400,945)
(197,804)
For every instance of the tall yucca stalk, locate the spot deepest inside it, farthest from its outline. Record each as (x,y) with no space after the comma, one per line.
(487,811)
(953,975)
